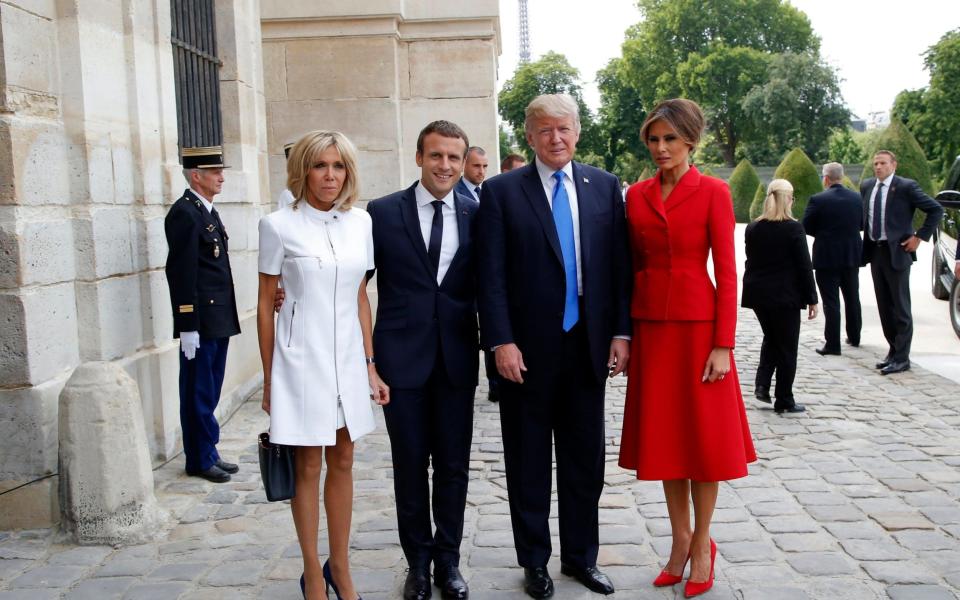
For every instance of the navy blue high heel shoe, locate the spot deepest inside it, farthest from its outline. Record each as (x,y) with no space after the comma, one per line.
(328,578)
(303,587)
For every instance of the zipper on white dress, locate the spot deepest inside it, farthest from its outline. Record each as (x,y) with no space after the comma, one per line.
(336,273)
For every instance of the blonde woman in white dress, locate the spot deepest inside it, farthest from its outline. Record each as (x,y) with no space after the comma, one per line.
(319,373)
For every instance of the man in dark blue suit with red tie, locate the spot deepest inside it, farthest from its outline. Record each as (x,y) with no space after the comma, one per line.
(554,307)
(426,348)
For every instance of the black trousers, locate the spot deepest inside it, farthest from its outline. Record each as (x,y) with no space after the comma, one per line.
(893,303)
(833,282)
(778,353)
(431,425)
(566,416)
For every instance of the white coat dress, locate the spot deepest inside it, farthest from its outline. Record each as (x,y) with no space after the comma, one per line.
(319,375)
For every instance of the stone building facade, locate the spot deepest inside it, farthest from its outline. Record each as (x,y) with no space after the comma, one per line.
(89,166)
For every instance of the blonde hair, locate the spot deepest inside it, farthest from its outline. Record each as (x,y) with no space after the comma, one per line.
(554,106)
(776,206)
(305,154)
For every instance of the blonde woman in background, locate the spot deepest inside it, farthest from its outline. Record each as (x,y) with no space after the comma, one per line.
(319,375)
(777,284)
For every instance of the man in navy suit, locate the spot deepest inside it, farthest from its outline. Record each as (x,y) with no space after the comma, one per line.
(889,246)
(834,218)
(554,305)
(474,172)
(426,347)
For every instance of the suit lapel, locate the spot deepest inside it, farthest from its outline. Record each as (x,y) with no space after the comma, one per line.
(411,222)
(652,195)
(210,223)
(463,228)
(586,207)
(533,189)
(685,189)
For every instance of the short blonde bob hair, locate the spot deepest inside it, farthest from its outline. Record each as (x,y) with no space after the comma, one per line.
(554,106)
(305,154)
(779,200)
(685,116)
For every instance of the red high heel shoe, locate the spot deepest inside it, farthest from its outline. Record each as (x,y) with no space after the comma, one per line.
(695,588)
(665,579)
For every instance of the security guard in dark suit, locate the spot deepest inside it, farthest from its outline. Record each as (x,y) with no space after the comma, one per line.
(204,308)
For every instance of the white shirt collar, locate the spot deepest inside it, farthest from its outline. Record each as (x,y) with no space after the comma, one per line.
(886,182)
(424,197)
(206,203)
(546,173)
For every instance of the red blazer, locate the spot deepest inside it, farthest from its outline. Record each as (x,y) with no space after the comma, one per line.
(670,241)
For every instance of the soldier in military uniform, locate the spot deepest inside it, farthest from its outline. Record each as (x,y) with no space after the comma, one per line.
(204,308)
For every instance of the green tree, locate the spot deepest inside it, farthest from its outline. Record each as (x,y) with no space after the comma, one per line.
(506,147)
(756,205)
(552,74)
(799,170)
(670,53)
(620,117)
(843,148)
(798,105)
(743,185)
(911,161)
(933,113)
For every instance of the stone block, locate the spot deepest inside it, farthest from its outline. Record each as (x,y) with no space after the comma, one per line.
(33,151)
(29,57)
(28,426)
(477,117)
(40,334)
(452,69)
(341,67)
(274,71)
(370,123)
(31,506)
(156,311)
(105,242)
(46,250)
(106,495)
(103,306)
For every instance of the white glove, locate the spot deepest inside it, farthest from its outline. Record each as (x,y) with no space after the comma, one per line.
(189,342)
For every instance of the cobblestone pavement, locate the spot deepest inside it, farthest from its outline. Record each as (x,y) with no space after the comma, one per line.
(855,499)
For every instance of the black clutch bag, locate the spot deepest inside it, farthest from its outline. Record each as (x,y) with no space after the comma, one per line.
(276,469)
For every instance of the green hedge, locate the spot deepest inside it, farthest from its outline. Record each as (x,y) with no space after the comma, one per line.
(743,185)
(799,170)
(756,205)
(911,161)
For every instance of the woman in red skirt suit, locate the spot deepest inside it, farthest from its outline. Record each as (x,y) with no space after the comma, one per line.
(684,421)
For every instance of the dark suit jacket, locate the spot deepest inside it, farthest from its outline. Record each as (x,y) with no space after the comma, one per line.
(834,218)
(198,271)
(465,187)
(903,198)
(778,272)
(416,318)
(522,279)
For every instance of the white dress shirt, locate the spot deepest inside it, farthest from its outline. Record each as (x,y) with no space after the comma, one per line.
(451,234)
(883,207)
(549,183)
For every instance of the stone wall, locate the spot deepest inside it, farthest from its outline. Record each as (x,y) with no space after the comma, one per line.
(88,169)
(379,71)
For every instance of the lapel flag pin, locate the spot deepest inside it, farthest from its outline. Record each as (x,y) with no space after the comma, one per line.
(585,180)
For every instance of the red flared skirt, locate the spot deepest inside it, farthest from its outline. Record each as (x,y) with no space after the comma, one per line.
(674,425)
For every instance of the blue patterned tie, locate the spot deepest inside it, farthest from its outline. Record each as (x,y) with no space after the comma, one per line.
(563,219)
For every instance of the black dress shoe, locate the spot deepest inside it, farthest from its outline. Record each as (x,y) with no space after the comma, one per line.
(895,366)
(537,582)
(450,582)
(214,474)
(225,466)
(417,585)
(883,363)
(762,393)
(593,578)
(796,408)
(849,342)
(827,352)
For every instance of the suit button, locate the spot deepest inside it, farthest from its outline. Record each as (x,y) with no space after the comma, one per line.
(211,302)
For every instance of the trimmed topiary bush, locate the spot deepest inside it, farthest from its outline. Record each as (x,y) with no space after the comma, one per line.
(708,172)
(756,205)
(911,161)
(743,186)
(799,170)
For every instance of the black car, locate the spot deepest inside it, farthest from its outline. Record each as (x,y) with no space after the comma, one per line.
(944,284)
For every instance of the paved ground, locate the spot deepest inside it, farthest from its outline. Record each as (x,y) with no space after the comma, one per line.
(855,499)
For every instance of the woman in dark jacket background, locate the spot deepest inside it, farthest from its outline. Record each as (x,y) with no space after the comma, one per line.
(777,285)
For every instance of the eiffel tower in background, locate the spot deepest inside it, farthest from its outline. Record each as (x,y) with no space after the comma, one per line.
(524,33)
